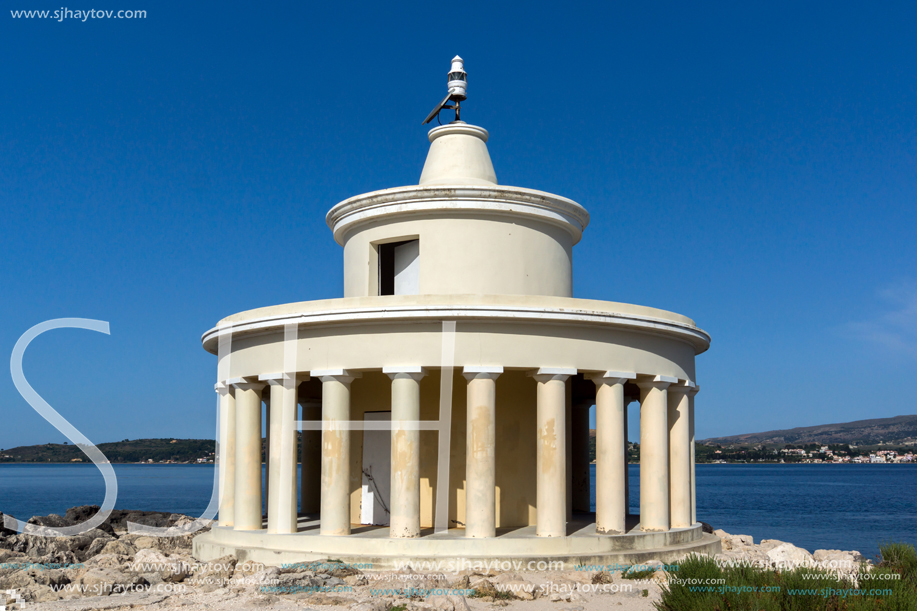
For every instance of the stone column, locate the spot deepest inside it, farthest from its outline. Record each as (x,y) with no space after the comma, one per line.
(551,452)
(691,394)
(227,457)
(610,451)
(335,496)
(281,508)
(404,499)
(480,452)
(679,455)
(579,448)
(247,511)
(654,453)
(310,483)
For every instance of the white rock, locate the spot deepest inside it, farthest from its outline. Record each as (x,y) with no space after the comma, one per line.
(839,561)
(788,556)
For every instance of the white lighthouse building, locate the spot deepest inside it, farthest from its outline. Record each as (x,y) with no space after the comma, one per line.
(444,399)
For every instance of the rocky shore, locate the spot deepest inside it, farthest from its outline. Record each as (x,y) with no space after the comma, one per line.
(108,568)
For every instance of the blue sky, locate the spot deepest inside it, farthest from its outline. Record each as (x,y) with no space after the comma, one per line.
(752,167)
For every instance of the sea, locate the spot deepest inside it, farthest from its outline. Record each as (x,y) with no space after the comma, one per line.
(814,506)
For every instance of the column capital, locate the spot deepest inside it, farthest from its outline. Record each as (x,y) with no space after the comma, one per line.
(547,374)
(693,391)
(646,382)
(246,383)
(611,377)
(278,379)
(482,372)
(344,376)
(682,386)
(222,388)
(413,372)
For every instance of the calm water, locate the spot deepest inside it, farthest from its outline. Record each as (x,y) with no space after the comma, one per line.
(812,506)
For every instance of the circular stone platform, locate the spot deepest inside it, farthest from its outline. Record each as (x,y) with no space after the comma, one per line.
(452,551)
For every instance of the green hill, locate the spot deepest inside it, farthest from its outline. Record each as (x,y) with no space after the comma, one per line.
(900,430)
(127,451)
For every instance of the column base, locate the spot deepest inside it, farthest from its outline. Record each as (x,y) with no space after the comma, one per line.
(520,547)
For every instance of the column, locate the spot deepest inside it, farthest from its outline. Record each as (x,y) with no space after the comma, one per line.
(247,511)
(654,453)
(551,452)
(691,394)
(310,482)
(335,495)
(480,452)
(579,448)
(404,497)
(227,458)
(281,508)
(679,455)
(610,452)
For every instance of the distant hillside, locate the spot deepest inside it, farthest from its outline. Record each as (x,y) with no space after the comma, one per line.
(899,430)
(127,451)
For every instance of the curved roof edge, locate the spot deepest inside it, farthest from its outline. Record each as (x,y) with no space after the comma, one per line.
(457,199)
(473,307)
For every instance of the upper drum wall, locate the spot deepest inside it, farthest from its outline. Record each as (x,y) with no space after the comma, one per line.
(465,255)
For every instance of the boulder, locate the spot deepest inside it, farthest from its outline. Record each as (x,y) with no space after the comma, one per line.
(484,587)
(104,582)
(17,580)
(4,531)
(169,545)
(54,577)
(787,556)
(732,542)
(95,548)
(118,518)
(294,583)
(151,562)
(845,563)
(52,520)
(11,557)
(769,544)
(118,547)
(744,539)
(77,515)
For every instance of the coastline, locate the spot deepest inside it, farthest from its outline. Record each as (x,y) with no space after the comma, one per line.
(110,568)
